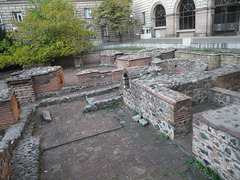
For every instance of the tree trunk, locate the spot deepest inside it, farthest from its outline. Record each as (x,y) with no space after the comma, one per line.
(120,37)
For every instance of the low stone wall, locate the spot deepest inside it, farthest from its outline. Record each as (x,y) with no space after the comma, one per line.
(216,140)
(92,78)
(9,111)
(11,139)
(213,60)
(180,65)
(169,111)
(228,81)
(109,57)
(229,58)
(199,91)
(29,83)
(102,104)
(223,97)
(132,60)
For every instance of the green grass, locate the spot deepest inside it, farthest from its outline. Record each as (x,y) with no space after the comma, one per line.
(209,173)
(128,49)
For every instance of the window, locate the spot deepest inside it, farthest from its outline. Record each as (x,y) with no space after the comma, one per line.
(160,16)
(88,13)
(187,15)
(105,31)
(226,2)
(1,22)
(143,18)
(17,17)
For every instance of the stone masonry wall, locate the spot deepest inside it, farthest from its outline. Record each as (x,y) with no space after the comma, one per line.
(223,97)
(9,111)
(98,78)
(199,91)
(168,115)
(23,90)
(228,81)
(217,147)
(213,60)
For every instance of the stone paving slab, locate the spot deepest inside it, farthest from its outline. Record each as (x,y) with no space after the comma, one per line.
(131,152)
(70,124)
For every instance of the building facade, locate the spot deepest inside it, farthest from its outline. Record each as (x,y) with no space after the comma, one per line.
(11,10)
(180,18)
(159,18)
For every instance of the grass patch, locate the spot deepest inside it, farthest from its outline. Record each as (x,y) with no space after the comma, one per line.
(209,173)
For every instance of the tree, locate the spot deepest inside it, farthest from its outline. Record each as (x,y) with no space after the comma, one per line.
(115,14)
(49,30)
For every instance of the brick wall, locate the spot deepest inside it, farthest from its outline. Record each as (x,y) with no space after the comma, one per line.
(48,82)
(169,116)
(224,97)
(23,90)
(91,58)
(228,81)
(216,147)
(108,59)
(9,111)
(98,78)
(121,63)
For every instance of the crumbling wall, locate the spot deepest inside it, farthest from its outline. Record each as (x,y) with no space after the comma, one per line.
(228,81)
(23,90)
(48,82)
(169,111)
(92,78)
(131,61)
(223,97)
(9,111)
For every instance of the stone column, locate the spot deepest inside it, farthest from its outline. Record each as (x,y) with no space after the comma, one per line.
(170,25)
(202,24)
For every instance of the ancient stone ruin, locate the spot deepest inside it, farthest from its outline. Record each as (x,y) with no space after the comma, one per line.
(161,89)
(165,92)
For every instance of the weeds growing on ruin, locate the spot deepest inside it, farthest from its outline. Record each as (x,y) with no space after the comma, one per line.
(209,173)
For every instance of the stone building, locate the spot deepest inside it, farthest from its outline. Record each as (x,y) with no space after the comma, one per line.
(180,18)
(11,10)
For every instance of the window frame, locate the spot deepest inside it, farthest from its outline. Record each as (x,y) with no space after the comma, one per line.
(16,16)
(1,21)
(187,15)
(160,16)
(88,12)
(107,32)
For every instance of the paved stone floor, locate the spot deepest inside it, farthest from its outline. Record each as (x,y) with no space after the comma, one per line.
(123,151)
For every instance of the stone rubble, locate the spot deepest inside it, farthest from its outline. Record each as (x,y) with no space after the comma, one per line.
(143,122)
(110,53)
(5,94)
(26,159)
(136,118)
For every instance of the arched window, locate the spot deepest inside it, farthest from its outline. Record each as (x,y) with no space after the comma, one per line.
(160,16)
(187,15)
